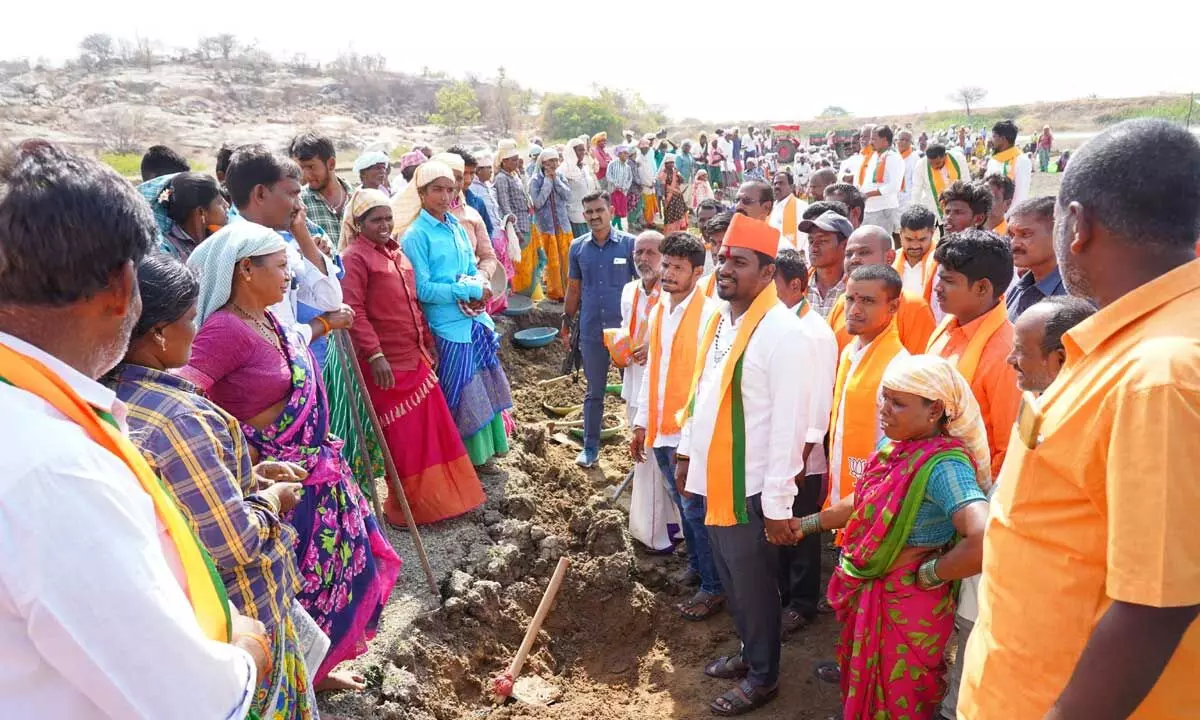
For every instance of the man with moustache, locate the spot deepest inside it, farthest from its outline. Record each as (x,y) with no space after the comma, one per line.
(1038,352)
(1031,235)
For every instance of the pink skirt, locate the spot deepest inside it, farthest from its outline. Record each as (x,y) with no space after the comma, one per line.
(620,203)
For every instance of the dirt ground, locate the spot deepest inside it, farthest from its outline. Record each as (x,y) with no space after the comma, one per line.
(613,643)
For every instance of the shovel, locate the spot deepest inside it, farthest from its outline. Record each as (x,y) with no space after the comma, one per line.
(506,684)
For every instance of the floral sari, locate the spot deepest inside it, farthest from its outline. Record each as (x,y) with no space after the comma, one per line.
(347,567)
(892,647)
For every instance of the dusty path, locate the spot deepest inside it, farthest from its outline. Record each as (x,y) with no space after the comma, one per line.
(613,643)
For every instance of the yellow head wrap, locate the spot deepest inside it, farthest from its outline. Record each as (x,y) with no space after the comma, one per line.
(407,205)
(934,378)
(360,203)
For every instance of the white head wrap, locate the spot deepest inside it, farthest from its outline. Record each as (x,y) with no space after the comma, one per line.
(548,154)
(506,149)
(935,378)
(368,159)
(214,259)
(450,160)
(360,203)
(407,205)
(484,159)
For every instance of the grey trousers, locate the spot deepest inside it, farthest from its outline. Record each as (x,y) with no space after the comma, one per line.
(962,628)
(749,570)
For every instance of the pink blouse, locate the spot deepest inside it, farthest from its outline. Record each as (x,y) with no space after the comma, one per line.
(236,367)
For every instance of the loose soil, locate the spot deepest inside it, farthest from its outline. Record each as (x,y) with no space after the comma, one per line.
(613,643)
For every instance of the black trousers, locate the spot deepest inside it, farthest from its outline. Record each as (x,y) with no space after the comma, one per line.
(800,564)
(748,567)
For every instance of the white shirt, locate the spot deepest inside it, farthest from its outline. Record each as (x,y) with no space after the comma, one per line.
(775,220)
(634,374)
(910,164)
(776,409)
(726,147)
(913,277)
(93,622)
(648,171)
(850,166)
(582,182)
(1023,175)
(922,192)
(893,174)
(670,318)
(856,350)
(820,371)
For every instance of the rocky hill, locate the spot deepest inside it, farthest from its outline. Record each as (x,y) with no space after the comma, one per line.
(196,107)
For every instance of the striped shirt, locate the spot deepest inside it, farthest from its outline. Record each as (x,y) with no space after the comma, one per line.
(201,455)
(513,200)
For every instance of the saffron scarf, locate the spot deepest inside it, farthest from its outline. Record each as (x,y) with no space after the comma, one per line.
(727,451)
(928,270)
(204,588)
(709,285)
(861,418)
(790,225)
(681,368)
(1007,166)
(880,165)
(904,180)
(867,152)
(1002,228)
(636,332)
(968,362)
(914,322)
(938,183)
(802,308)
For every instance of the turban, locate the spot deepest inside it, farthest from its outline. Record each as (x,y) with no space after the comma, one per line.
(412,159)
(407,205)
(599,136)
(450,160)
(578,142)
(483,160)
(746,232)
(935,378)
(360,203)
(370,158)
(214,259)
(548,154)
(506,149)
(668,158)
(535,151)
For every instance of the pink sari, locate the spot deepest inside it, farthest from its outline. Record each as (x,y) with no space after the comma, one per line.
(892,647)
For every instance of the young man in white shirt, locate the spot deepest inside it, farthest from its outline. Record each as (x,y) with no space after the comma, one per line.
(673,341)
(881,182)
(915,262)
(747,470)
(1009,161)
(95,618)
(800,565)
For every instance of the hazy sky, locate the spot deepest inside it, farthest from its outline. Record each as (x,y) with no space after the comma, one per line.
(868,57)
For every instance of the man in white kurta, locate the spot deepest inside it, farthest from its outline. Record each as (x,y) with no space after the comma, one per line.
(940,168)
(881,182)
(904,146)
(652,512)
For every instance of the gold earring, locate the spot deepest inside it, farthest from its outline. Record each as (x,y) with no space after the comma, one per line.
(162,342)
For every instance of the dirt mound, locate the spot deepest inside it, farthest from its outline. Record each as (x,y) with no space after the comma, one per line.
(613,644)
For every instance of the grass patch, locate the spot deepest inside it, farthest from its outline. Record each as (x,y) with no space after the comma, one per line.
(1174,109)
(126,164)
(400,151)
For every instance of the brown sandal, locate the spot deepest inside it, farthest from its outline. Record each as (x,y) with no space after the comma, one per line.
(727,667)
(711,604)
(743,698)
(794,621)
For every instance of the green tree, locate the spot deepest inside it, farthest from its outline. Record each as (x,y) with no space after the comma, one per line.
(96,49)
(834,111)
(567,116)
(456,106)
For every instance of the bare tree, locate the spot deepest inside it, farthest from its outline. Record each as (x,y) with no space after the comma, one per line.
(96,49)
(126,50)
(223,45)
(146,51)
(968,95)
(121,129)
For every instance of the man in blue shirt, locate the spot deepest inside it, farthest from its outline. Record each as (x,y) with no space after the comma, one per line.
(600,263)
(1031,234)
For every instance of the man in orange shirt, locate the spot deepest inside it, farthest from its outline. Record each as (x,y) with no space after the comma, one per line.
(975,267)
(1090,585)
(872,245)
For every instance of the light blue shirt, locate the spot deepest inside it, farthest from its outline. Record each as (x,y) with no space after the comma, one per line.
(443,262)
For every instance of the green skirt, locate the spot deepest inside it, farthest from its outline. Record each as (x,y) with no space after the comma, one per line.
(341,421)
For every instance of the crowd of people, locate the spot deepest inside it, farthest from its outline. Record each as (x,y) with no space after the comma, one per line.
(981,397)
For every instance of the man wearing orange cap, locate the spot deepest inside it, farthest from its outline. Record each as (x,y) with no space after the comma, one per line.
(738,448)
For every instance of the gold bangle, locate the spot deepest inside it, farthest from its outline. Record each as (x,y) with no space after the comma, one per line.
(375,357)
(811,524)
(325,324)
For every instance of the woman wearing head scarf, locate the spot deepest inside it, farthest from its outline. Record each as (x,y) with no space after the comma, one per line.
(395,350)
(700,190)
(199,452)
(196,209)
(913,525)
(265,376)
(486,262)
(551,222)
(600,155)
(675,210)
(453,296)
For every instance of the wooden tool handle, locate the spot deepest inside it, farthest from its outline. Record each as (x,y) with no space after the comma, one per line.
(543,610)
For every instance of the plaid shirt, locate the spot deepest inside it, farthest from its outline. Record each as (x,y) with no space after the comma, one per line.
(322,213)
(824,305)
(513,200)
(201,455)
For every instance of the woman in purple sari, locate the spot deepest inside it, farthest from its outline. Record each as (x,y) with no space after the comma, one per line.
(265,376)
